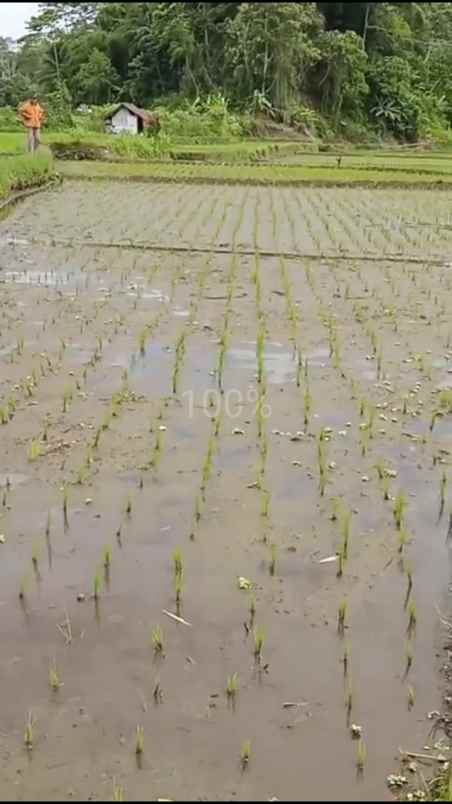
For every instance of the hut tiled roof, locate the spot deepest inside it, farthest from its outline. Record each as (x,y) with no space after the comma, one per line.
(135,110)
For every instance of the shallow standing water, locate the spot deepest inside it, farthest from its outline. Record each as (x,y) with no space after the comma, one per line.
(88,349)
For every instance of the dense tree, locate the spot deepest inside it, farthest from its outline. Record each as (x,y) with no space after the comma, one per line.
(387,65)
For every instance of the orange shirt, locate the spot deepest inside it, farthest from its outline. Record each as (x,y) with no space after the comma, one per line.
(32,114)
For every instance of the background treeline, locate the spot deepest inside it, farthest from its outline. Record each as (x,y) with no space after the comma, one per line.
(349,69)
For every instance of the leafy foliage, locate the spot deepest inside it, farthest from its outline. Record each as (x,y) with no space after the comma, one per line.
(328,67)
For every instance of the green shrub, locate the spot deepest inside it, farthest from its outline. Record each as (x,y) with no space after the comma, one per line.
(9,120)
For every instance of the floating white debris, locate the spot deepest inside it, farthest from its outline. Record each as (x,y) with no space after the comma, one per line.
(238,431)
(327,560)
(244,583)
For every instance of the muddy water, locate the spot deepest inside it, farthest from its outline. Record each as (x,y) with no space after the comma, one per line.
(73,321)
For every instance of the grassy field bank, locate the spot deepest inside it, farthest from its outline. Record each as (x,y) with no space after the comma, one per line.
(21,172)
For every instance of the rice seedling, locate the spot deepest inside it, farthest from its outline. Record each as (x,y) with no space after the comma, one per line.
(157,639)
(97,585)
(23,588)
(379,363)
(106,421)
(340,563)
(435,415)
(97,438)
(322,468)
(177,561)
(412,616)
(82,475)
(411,697)
(346,658)
(404,538)
(445,400)
(399,509)
(107,557)
(345,531)
(65,507)
(336,505)
(385,487)
(35,556)
(273,552)
(54,679)
(409,658)
(67,398)
(157,692)
(139,744)
(348,699)
(118,792)
(198,507)
(307,405)
(265,503)
(442,493)
(365,436)
(28,735)
(232,685)
(260,347)
(341,616)
(252,608)
(178,586)
(259,641)
(157,451)
(361,755)
(35,450)
(245,754)
(299,368)
(142,339)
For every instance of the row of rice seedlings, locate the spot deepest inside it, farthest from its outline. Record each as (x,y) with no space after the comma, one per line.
(256,279)
(157,451)
(179,358)
(292,311)
(399,508)
(322,463)
(224,344)
(178,577)
(206,474)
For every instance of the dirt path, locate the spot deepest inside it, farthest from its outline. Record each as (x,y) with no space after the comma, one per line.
(88,348)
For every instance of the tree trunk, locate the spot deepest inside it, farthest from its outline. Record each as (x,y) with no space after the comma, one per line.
(366,25)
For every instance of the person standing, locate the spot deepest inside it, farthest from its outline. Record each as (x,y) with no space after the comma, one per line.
(32,115)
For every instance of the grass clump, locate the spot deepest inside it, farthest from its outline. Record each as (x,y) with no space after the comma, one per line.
(157,639)
(232,685)
(259,641)
(245,753)
(400,503)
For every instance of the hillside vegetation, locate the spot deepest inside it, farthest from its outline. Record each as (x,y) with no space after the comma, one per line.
(356,70)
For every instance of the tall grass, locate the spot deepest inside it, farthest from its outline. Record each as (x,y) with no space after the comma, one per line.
(20,172)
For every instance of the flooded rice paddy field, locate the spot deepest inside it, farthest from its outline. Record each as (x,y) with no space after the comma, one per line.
(180,425)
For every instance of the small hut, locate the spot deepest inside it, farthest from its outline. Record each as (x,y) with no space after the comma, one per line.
(127,118)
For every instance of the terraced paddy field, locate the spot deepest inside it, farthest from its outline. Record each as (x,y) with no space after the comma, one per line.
(226,437)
